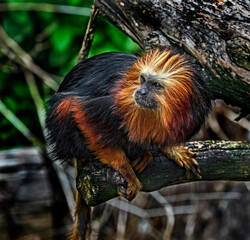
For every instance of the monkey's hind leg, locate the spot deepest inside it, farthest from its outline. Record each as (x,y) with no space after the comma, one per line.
(184,158)
(117,159)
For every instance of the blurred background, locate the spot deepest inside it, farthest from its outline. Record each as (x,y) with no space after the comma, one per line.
(39,44)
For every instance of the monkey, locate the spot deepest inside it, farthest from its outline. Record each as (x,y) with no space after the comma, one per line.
(116,106)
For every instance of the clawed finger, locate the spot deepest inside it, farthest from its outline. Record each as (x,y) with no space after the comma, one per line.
(135,162)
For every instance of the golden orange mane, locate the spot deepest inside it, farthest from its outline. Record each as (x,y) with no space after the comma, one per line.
(172,121)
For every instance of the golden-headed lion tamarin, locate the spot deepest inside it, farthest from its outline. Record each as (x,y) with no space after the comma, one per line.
(117,106)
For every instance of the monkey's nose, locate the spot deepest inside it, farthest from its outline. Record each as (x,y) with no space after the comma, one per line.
(142,91)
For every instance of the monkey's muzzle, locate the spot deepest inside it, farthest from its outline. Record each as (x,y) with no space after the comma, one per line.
(145,99)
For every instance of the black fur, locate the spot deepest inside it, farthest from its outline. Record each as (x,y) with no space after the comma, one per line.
(96,76)
(201,102)
(91,81)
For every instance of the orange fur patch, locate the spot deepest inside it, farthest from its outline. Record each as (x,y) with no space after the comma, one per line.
(113,157)
(72,106)
(219,1)
(167,123)
(64,108)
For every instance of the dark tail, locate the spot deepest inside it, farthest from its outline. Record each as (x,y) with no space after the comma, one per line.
(81,229)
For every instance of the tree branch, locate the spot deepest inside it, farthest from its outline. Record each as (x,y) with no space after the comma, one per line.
(89,35)
(218,160)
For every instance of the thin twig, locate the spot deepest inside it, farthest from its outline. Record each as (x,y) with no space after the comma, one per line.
(40,108)
(18,124)
(149,213)
(215,126)
(190,225)
(89,35)
(203,196)
(121,224)
(44,7)
(169,213)
(65,185)
(243,122)
(46,32)
(13,51)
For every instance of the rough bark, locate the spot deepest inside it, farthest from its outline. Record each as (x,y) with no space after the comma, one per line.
(89,35)
(218,160)
(216,34)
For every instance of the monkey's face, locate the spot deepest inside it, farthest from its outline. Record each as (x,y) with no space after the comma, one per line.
(146,95)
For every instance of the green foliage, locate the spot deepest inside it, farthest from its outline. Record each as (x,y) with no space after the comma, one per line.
(111,39)
(53,40)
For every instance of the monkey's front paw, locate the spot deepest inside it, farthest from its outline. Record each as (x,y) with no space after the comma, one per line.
(129,190)
(184,158)
(187,160)
(141,163)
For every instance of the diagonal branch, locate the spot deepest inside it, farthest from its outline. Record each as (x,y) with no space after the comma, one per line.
(89,35)
(44,7)
(12,50)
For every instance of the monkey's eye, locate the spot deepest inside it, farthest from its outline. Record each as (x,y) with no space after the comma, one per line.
(142,79)
(157,86)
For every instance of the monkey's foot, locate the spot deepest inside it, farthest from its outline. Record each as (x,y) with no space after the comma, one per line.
(130,190)
(142,162)
(184,158)
(132,186)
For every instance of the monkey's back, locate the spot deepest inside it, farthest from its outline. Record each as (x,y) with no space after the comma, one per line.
(88,86)
(96,76)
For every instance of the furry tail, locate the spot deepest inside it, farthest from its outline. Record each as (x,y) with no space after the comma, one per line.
(81,229)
